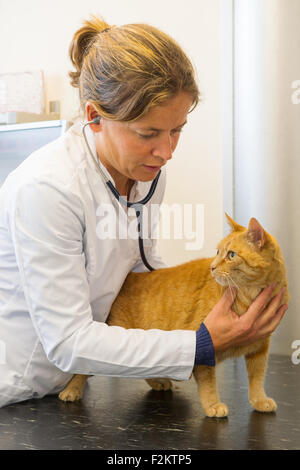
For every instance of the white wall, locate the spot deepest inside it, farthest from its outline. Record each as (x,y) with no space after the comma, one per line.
(267,137)
(36,35)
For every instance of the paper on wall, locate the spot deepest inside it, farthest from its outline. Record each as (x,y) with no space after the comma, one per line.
(22,92)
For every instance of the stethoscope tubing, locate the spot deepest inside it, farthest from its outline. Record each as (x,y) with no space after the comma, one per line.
(137,206)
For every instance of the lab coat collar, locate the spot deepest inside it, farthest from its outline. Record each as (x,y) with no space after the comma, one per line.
(140,188)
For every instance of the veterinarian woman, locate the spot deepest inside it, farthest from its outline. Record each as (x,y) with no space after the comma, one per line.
(58,275)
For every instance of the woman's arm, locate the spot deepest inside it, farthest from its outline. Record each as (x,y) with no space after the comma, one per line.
(47,226)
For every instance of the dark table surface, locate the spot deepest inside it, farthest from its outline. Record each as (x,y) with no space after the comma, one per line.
(125,414)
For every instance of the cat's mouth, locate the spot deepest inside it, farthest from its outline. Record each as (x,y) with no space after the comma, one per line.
(222,280)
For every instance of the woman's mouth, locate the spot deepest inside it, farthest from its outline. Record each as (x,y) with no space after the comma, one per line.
(152,168)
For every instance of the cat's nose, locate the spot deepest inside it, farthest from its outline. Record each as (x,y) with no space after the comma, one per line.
(212,268)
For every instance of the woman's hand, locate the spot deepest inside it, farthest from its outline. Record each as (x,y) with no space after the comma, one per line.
(263,316)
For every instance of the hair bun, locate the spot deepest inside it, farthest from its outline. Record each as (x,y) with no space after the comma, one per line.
(81,42)
(125,70)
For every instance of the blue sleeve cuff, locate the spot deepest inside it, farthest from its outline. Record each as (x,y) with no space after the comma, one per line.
(205,351)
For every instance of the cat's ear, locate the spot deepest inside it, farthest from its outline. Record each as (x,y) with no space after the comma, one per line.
(235,227)
(256,233)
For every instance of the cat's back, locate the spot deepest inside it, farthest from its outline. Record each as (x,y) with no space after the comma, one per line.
(166,298)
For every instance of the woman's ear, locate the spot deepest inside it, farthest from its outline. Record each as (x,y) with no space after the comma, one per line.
(92,115)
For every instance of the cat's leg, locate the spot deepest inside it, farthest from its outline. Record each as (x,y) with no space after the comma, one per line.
(74,389)
(256,367)
(159,384)
(205,377)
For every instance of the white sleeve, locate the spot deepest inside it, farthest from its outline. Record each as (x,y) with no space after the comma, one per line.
(47,226)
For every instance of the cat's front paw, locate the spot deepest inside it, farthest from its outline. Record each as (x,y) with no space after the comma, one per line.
(159,384)
(70,394)
(265,405)
(218,410)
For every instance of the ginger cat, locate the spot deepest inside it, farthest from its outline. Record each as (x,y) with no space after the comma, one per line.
(181,297)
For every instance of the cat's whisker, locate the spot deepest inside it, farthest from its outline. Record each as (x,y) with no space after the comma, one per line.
(230,288)
(226,275)
(234,282)
(229,278)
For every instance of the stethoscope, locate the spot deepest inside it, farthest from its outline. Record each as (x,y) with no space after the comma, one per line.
(137,206)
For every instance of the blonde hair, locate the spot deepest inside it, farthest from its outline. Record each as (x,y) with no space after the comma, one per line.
(124,71)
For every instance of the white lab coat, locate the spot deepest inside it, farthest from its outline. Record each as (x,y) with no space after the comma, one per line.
(58,279)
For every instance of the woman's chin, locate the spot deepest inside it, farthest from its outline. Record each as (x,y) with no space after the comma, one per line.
(145,175)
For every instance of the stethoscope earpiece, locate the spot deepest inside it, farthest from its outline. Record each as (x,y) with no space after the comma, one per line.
(96,120)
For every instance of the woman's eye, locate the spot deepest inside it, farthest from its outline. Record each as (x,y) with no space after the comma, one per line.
(149,136)
(146,136)
(231,254)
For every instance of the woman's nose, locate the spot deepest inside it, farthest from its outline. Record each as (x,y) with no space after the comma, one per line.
(164,149)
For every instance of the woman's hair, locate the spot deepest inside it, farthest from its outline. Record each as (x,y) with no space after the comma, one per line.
(124,71)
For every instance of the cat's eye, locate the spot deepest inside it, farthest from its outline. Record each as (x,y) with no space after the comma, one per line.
(217,252)
(231,254)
